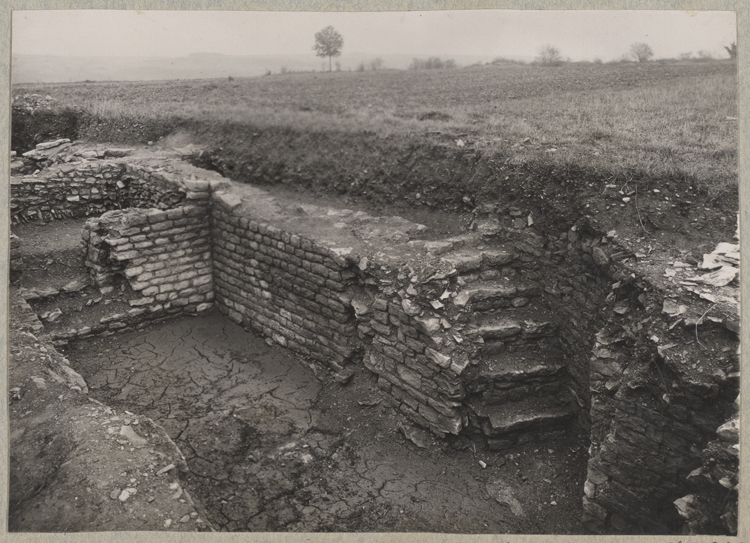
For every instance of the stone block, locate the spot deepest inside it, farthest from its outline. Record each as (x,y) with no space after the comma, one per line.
(227,200)
(162,225)
(141,301)
(126,255)
(156,216)
(202,280)
(440,359)
(187,275)
(193,211)
(175,213)
(132,272)
(409,376)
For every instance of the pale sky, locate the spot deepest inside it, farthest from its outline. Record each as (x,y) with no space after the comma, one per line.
(579,35)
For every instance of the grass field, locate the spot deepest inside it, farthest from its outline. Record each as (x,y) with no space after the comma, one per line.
(659,119)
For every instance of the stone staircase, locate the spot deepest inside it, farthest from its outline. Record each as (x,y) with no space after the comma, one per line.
(516,382)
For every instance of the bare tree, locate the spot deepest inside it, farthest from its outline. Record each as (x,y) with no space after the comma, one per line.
(732,50)
(328,43)
(641,52)
(550,56)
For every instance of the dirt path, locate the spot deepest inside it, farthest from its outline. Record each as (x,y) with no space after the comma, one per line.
(270,447)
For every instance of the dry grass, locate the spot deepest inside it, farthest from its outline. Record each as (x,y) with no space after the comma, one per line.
(659,120)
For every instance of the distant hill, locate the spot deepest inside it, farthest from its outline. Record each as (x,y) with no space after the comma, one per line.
(57,69)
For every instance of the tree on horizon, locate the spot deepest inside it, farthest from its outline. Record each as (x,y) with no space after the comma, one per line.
(328,43)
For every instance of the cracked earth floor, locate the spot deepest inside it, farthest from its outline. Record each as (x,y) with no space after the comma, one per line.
(273,447)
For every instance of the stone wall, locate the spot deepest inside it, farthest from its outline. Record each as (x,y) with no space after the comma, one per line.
(576,284)
(654,408)
(411,347)
(164,256)
(90,188)
(713,505)
(412,317)
(284,285)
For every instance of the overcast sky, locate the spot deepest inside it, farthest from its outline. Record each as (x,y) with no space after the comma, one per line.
(579,35)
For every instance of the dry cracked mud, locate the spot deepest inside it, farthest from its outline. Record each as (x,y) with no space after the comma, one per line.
(271,447)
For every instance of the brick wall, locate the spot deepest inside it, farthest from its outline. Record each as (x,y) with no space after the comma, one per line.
(286,286)
(163,255)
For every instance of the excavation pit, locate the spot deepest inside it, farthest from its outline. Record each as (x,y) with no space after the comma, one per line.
(271,447)
(329,369)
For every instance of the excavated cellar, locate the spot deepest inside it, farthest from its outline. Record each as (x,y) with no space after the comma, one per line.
(516,333)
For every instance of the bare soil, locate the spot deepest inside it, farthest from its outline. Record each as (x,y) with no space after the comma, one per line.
(78,465)
(274,444)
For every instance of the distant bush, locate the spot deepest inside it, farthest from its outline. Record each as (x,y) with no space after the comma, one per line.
(503,60)
(641,52)
(598,60)
(230,78)
(549,56)
(361,67)
(376,64)
(432,63)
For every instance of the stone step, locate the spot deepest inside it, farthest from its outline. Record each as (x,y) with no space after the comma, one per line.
(492,348)
(471,259)
(508,325)
(497,293)
(513,367)
(525,416)
(515,376)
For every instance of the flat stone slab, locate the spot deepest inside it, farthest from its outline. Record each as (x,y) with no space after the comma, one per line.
(495,289)
(528,414)
(515,367)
